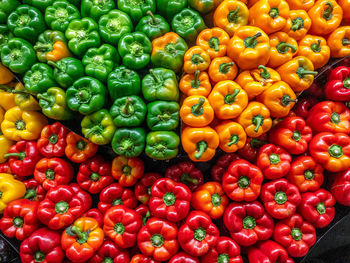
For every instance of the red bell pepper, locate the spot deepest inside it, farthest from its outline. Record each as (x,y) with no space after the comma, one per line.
(315,90)
(292,134)
(186,173)
(144,212)
(52,141)
(280,198)
(82,195)
(242,181)
(5,168)
(169,200)
(20,219)
(95,174)
(158,239)
(329,116)
(110,253)
(139,258)
(225,250)
(143,186)
(252,146)
(127,170)
(248,223)
(332,151)
(51,172)
(338,85)
(121,224)
(23,157)
(219,168)
(198,234)
(60,207)
(268,252)
(306,174)
(317,207)
(44,245)
(183,257)
(115,194)
(295,235)
(35,191)
(274,161)
(95,213)
(340,187)
(303,106)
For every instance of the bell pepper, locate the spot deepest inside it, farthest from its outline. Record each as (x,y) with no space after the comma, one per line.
(280,198)
(295,235)
(128,111)
(200,143)
(127,170)
(153,26)
(144,212)
(60,14)
(170,8)
(268,251)
(5,74)
(326,16)
(10,190)
(196,58)
(225,250)
(182,257)
(5,145)
(162,145)
(35,191)
(338,42)
(213,41)
(143,186)
(186,173)
(140,258)
(94,175)
(95,213)
(204,6)
(82,34)
(5,168)
(219,168)
(158,239)
(50,172)
(8,6)
(39,78)
(116,195)
(249,47)
(39,4)
(231,136)
(79,149)
(222,68)
(19,219)
(197,235)
(44,245)
(95,10)
(344,4)
(51,46)
(82,239)
(162,115)
(195,84)
(25,100)
(340,187)
(85,196)
(168,51)
(67,71)
(53,104)
(110,252)
(129,142)
(18,55)
(138,9)
(196,111)
(298,22)
(314,48)
(283,48)
(303,106)
(26,22)
(160,84)
(338,85)
(99,62)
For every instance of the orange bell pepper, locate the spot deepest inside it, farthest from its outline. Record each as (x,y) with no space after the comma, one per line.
(255,119)
(270,15)
(326,16)
(59,51)
(300,4)
(339,42)
(196,111)
(231,136)
(214,41)
(279,98)
(196,58)
(200,143)
(7,100)
(222,68)
(195,84)
(79,149)
(228,99)
(254,82)
(283,48)
(298,73)
(298,24)
(6,75)
(345,5)
(252,2)
(249,47)
(231,15)
(314,48)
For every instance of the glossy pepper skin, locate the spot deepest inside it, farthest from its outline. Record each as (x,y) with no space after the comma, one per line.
(67,71)
(170,8)
(340,187)
(95,213)
(110,251)
(5,145)
(39,78)
(283,48)
(219,168)
(7,7)
(196,58)
(143,187)
(6,35)
(35,191)
(94,9)
(140,258)
(162,145)
(268,251)
(231,135)
(24,100)
(195,84)
(225,250)
(222,68)
(298,22)
(79,149)
(295,235)
(85,196)
(196,111)
(314,48)
(57,20)
(153,25)
(182,257)
(52,141)
(129,142)
(128,111)
(337,87)
(280,198)
(338,42)
(138,9)
(127,170)
(162,115)
(10,189)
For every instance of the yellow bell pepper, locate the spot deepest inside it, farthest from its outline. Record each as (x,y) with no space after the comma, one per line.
(7,100)
(2,114)
(10,190)
(5,145)
(24,100)
(6,75)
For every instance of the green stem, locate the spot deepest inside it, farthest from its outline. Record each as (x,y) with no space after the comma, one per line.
(81,144)
(128,107)
(20,125)
(126,170)
(186,178)
(328,12)
(257,120)
(335,118)
(197,109)
(335,151)
(230,98)
(274,12)
(296,136)
(243,182)
(61,207)
(296,234)
(216,200)
(232,17)
(345,42)
(283,47)
(297,24)
(225,67)
(251,42)
(82,236)
(117,202)
(309,175)
(316,47)
(55,65)
(214,43)
(107,260)
(157,240)
(20,155)
(197,59)
(280,198)
(155,76)
(50,174)
(53,139)
(196,83)
(169,199)
(301,72)
(223,258)
(119,228)
(199,234)
(264,73)
(153,19)
(274,158)
(249,222)
(201,148)
(94,130)
(233,140)
(30,194)
(39,256)
(18,222)
(95,177)
(286,100)
(346,83)
(321,208)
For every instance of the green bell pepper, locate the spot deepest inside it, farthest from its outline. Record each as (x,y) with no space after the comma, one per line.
(75,3)
(7,7)
(60,14)
(128,111)
(129,142)
(67,70)
(53,104)
(162,145)
(39,78)
(99,62)
(113,25)
(87,95)
(169,8)
(163,115)
(136,9)
(18,55)
(153,26)
(96,8)
(160,84)
(135,50)
(98,127)
(26,22)
(123,82)
(188,24)
(45,43)
(5,35)
(82,35)
(40,4)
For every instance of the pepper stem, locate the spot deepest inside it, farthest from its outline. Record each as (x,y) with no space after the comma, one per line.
(346,83)
(309,175)
(30,194)
(225,67)
(297,24)
(18,222)
(195,83)
(107,260)
(280,198)
(216,199)
(243,182)
(296,234)
(283,47)
(199,234)
(345,42)
(82,236)
(146,217)
(45,98)
(186,178)
(95,177)
(249,222)
(201,148)
(20,125)
(233,15)
(264,73)
(81,144)
(20,155)
(127,108)
(197,109)
(61,207)
(53,138)
(153,19)
(274,12)
(53,64)
(223,258)
(230,98)
(296,136)
(233,140)
(301,72)
(50,174)
(274,158)
(39,256)
(119,228)
(335,118)
(214,43)
(169,199)
(286,100)
(197,59)
(328,12)
(126,170)
(94,130)
(251,42)
(316,47)
(335,151)
(155,76)
(117,202)
(257,120)
(321,208)
(157,240)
